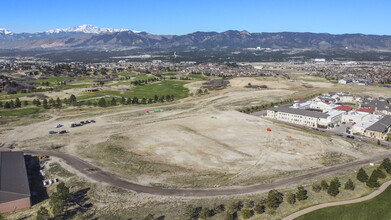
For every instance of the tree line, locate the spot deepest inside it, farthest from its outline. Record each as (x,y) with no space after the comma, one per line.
(102,102)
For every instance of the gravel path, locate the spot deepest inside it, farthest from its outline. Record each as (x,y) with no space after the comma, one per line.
(99,175)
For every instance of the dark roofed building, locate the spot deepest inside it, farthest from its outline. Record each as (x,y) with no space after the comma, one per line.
(14,185)
(379,129)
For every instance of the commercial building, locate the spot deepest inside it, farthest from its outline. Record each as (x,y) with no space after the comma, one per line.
(380,129)
(14,185)
(298,116)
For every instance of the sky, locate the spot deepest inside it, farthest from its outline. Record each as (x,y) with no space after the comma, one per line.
(184,16)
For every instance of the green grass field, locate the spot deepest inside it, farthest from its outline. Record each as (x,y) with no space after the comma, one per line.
(143,77)
(127,74)
(161,88)
(150,90)
(377,208)
(19,112)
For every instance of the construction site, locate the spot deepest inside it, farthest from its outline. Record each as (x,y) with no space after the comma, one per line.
(200,142)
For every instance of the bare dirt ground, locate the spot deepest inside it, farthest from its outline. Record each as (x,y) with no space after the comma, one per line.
(198,142)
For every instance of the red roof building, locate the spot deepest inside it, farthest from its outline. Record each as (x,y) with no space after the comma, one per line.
(343,108)
(367,110)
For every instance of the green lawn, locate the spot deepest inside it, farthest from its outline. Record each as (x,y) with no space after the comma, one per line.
(377,208)
(143,77)
(5,96)
(127,74)
(162,88)
(19,112)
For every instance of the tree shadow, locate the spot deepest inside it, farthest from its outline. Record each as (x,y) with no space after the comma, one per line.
(80,200)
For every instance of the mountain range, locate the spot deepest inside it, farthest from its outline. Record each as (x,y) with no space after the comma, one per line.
(88,37)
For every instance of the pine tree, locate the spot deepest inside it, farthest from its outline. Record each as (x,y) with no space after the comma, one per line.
(7,105)
(72,100)
(123,100)
(386,165)
(18,104)
(379,174)
(362,176)
(58,102)
(102,102)
(301,193)
(333,189)
(45,104)
(113,102)
(372,181)
(350,185)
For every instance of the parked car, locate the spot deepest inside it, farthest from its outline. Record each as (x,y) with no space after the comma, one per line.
(42,172)
(63,132)
(350,136)
(75,125)
(59,126)
(52,132)
(93,121)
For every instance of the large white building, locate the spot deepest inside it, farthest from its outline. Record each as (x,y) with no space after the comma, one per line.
(299,116)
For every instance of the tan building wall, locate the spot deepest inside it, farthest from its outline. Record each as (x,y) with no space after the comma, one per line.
(15,205)
(374,134)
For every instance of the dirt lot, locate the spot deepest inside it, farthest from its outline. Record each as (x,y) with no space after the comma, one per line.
(197,142)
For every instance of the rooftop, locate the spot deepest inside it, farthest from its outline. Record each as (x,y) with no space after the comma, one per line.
(343,108)
(14,184)
(382,125)
(297,111)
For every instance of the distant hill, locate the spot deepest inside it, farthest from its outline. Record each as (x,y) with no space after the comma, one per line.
(87,37)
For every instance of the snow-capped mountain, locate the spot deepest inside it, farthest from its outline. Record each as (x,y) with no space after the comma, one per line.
(5,31)
(87,29)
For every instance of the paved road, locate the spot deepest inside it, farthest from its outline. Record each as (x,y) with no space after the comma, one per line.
(321,206)
(105,177)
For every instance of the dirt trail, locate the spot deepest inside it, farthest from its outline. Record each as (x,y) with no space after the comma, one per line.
(101,176)
(330,204)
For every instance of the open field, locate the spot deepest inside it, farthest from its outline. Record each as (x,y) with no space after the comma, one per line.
(196,142)
(199,142)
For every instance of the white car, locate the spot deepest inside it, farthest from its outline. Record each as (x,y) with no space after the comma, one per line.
(42,172)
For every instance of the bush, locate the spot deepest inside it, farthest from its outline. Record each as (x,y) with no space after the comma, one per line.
(291,198)
(42,214)
(259,208)
(301,193)
(206,213)
(235,206)
(316,187)
(274,199)
(192,212)
(324,185)
(247,213)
